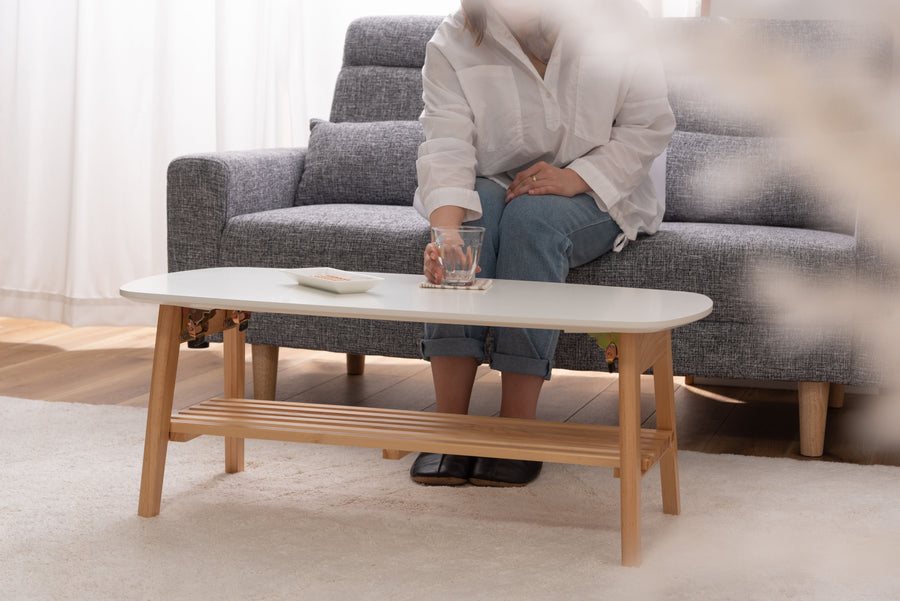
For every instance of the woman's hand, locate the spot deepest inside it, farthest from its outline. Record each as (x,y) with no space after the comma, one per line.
(543,178)
(432,269)
(447,216)
(434,264)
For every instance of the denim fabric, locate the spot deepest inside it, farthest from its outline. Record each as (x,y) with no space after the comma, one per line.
(535,238)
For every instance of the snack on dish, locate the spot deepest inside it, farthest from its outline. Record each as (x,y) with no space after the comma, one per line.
(331,278)
(334,280)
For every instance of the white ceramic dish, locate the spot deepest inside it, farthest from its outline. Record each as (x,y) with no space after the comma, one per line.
(334,280)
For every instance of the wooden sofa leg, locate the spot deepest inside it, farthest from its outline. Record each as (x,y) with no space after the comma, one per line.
(265,371)
(836,396)
(813,412)
(356,364)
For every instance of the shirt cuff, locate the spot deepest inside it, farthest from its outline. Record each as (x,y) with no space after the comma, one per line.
(601,189)
(454,197)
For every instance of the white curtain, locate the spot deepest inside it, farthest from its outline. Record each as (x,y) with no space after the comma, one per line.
(98,96)
(672,8)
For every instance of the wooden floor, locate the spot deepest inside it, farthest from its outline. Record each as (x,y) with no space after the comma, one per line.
(111,365)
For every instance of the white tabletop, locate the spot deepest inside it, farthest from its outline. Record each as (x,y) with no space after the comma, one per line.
(543,305)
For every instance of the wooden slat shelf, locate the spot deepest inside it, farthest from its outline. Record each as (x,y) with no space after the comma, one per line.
(413,431)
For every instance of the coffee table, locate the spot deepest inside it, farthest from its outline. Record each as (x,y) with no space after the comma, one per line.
(197,303)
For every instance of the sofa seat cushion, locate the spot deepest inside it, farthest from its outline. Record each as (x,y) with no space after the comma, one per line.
(719,260)
(357,237)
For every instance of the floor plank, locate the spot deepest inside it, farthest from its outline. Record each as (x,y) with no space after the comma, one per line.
(603,410)
(568,392)
(699,413)
(764,429)
(416,392)
(111,365)
(380,374)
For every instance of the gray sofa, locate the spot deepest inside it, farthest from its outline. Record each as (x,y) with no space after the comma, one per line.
(352,188)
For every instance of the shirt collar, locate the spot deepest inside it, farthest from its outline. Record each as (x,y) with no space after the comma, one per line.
(499,31)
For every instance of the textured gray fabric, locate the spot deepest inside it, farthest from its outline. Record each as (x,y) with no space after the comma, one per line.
(762,351)
(698,107)
(867,362)
(721,261)
(359,336)
(367,163)
(705,349)
(373,93)
(389,41)
(236,209)
(345,236)
(205,190)
(713,349)
(356,237)
(874,262)
(381,79)
(748,180)
(877,269)
(716,260)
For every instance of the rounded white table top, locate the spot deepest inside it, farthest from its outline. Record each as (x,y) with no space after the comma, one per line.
(511,303)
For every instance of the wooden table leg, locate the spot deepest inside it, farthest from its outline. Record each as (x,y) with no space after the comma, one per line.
(630,440)
(159,411)
(234,389)
(664,393)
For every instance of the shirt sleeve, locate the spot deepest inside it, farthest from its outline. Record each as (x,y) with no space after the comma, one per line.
(642,129)
(446,161)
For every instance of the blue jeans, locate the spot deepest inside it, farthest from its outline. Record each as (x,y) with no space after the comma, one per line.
(537,238)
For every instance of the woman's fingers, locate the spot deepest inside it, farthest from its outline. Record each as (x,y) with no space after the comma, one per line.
(432,268)
(516,190)
(549,180)
(545,190)
(539,174)
(541,186)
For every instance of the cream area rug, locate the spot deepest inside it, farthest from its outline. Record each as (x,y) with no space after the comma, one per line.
(321,523)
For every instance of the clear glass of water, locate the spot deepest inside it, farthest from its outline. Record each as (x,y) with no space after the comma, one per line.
(459,249)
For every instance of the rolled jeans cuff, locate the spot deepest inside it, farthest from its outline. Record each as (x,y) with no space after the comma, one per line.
(452,347)
(521,365)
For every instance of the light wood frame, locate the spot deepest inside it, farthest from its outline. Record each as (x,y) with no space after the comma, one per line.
(630,450)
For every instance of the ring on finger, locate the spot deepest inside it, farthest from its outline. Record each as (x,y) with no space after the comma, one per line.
(534,178)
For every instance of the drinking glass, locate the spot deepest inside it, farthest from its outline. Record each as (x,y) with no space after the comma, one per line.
(459,249)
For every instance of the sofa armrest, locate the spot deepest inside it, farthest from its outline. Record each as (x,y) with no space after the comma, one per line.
(206,190)
(875,264)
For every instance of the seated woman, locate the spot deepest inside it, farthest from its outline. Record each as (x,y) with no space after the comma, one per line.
(541,123)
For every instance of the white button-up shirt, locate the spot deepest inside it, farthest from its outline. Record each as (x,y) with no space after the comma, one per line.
(601,109)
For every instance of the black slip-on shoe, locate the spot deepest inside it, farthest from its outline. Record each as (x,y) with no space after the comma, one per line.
(435,469)
(504,472)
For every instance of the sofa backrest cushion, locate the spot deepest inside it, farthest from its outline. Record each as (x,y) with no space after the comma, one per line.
(725,165)
(383,56)
(361,163)
(381,81)
(747,180)
(697,98)
(381,77)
